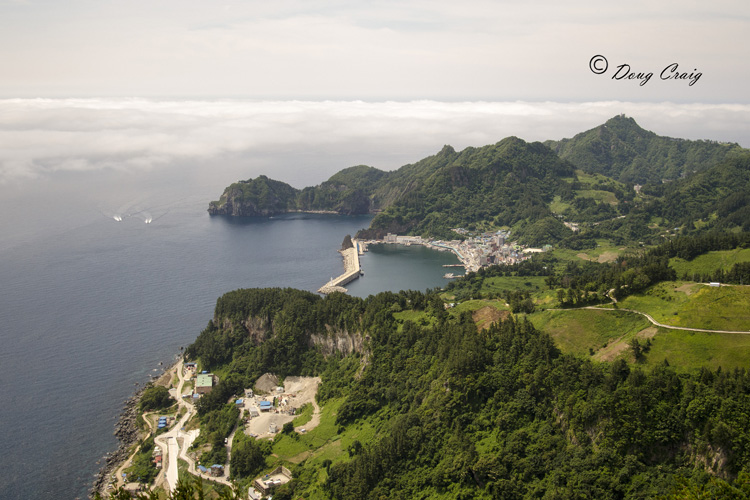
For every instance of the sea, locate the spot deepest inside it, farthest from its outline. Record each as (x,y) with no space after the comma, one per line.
(99,291)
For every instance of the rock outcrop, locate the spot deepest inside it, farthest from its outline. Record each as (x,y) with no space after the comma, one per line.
(335,340)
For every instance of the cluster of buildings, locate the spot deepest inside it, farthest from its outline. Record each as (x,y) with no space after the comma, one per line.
(476,251)
(256,406)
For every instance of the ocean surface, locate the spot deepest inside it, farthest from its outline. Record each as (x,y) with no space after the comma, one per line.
(91,306)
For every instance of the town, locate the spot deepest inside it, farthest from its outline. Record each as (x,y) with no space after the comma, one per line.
(478,250)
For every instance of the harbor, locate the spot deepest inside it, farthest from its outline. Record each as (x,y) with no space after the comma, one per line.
(473,252)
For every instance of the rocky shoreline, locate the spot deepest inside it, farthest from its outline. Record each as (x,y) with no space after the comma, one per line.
(126,431)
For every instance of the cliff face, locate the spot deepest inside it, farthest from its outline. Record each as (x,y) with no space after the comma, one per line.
(335,340)
(329,342)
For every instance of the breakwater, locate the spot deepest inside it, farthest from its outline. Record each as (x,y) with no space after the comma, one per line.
(352,271)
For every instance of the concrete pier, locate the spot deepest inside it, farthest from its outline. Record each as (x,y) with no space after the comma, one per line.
(351,272)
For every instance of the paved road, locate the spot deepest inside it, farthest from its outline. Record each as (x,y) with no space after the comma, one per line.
(169,440)
(174,450)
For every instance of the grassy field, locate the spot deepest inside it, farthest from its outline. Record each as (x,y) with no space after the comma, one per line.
(604,252)
(558,206)
(589,183)
(608,336)
(693,305)
(686,350)
(321,443)
(287,447)
(304,415)
(418,317)
(710,262)
(522,283)
(586,331)
(474,305)
(598,195)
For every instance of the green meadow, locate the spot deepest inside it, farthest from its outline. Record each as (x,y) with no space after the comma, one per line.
(694,305)
(586,331)
(687,350)
(710,262)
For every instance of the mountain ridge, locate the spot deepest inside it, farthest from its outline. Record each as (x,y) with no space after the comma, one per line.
(621,149)
(514,184)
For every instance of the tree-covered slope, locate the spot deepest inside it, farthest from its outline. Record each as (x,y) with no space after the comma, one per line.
(509,183)
(350,191)
(260,196)
(716,198)
(624,151)
(506,184)
(460,413)
(517,184)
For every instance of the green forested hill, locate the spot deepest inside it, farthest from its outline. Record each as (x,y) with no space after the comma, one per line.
(531,190)
(624,151)
(510,183)
(505,184)
(718,197)
(443,410)
(261,196)
(350,191)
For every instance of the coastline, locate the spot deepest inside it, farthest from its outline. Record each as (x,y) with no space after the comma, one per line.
(126,431)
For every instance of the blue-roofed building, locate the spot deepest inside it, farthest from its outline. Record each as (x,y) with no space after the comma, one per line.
(202,469)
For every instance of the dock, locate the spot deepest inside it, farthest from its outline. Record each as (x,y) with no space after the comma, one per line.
(352,271)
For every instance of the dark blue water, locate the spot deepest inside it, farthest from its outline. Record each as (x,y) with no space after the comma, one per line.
(398,267)
(90,308)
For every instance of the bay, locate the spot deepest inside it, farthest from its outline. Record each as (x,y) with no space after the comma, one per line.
(91,308)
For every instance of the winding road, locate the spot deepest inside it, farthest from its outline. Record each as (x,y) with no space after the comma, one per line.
(661,325)
(650,318)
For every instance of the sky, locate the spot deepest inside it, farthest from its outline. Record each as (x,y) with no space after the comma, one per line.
(135,85)
(484,50)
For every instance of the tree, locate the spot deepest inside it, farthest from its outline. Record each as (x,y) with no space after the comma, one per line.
(248,455)
(637,349)
(155,397)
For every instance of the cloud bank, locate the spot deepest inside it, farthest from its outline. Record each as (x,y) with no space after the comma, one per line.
(441,49)
(39,137)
